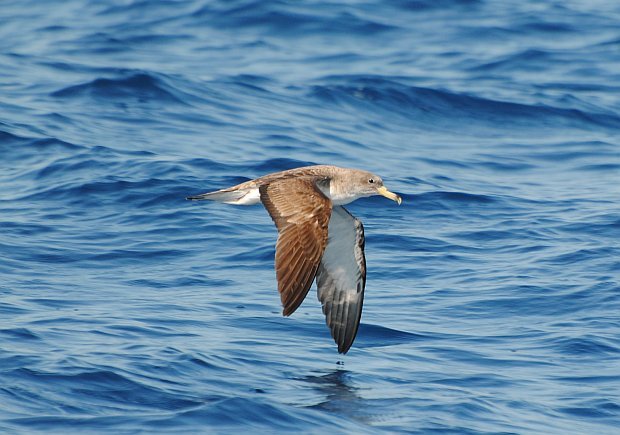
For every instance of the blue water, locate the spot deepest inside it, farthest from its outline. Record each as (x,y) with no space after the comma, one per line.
(493,295)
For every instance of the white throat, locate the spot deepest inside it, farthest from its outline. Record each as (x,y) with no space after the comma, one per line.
(341,198)
(338,196)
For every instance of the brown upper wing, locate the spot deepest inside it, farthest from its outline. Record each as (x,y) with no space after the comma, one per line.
(301,213)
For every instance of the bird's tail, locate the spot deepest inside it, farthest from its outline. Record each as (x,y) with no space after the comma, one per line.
(231,195)
(219,195)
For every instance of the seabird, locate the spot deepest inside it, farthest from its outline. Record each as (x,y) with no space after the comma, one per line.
(317,237)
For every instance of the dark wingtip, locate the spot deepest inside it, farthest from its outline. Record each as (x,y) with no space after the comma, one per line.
(343,348)
(288,310)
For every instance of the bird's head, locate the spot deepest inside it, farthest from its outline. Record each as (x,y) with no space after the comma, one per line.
(371,184)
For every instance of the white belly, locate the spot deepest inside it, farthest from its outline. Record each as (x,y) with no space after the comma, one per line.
(252,196)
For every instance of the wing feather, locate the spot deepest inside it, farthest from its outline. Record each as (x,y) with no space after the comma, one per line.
(341,277)
(301,213)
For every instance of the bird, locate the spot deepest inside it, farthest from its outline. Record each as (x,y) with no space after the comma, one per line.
(318,239)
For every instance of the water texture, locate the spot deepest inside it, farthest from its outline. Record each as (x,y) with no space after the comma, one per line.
(493,296)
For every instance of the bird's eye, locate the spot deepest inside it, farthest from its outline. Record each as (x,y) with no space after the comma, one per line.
(372,180)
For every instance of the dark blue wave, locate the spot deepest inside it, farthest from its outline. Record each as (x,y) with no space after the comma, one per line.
(275,17)
(420,105)
(141,87)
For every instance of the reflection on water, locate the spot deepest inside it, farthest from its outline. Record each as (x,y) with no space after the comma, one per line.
(340,395)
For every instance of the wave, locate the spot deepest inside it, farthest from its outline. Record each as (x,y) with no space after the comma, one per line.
(141,86)
(86,390)
(260,414)
(371,335)
(19,147)
(278,18)
(19,334)
(420,105)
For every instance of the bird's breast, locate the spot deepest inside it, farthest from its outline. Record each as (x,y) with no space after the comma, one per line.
(340,199)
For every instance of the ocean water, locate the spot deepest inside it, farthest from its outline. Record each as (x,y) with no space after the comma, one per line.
(493,296)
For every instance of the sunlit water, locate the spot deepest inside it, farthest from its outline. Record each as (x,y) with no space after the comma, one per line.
(492,303)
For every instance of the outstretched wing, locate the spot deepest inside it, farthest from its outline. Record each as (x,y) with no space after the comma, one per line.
(301,213)
(341,277)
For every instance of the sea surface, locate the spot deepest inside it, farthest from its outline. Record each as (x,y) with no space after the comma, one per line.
(493,297)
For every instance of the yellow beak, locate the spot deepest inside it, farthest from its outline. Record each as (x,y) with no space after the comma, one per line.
(391,195)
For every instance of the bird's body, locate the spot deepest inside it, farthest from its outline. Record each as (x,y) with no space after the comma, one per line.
(248,193)
(318,238)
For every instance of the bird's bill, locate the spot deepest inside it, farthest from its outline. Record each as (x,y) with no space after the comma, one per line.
(390,195)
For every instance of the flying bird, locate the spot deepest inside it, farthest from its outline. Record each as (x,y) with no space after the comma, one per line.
(317,237)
